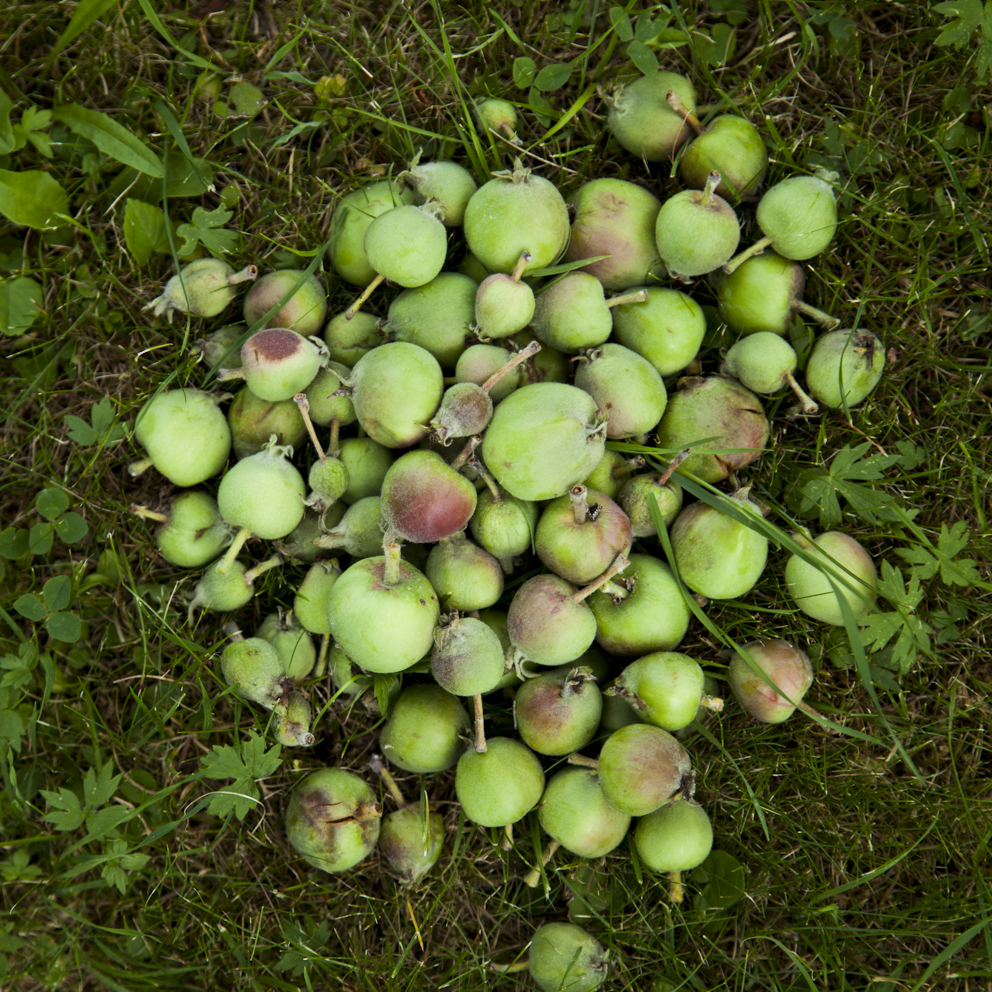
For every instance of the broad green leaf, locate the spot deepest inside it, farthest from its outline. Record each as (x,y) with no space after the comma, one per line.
(621,23)
(80,431)
(382,686)
(32,199)
(553,77)
(65,811)
(671,38)
(6,130)
(13,542)
(34,119)
(30,607)
(111,138)
(642,57)
(40,141)
(718,48)
(524,70)
(183,179)
(65,627)
(41,538)
(722,878)
(20,304)
(11,725)
(86,12)
(144,230)
(247,98)
(101,821)
(51,503)
(969,19)
(57,592)
(99,789)
(71,527)
(102,415)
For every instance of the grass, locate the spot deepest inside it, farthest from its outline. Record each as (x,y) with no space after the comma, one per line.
(864,846)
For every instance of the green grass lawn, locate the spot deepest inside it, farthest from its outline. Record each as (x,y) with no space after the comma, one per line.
(855,847)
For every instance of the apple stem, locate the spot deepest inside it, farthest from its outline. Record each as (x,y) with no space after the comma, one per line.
(321,667)
(619,564)
(224,373)
(467,452)
(261,568)
(379,767)
(580,505)
(304,404)
(480,727)
(233,631)
(581,759)
(714,703)
(518,359)
(534,875)
(820,316)
(248,274)
(684,112)
(136,468)
(709,190)
(618,301)
(676,890)
(522,264)
(334,445)
(510,969)
(366,293)
(673,465)
(809,711)
(224,565)
(487,478)
(756,249)
(142,511)
(627,468)
(809,405)
(391,571)
(506,844)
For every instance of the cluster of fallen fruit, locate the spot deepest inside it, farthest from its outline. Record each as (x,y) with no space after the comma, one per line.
(514,451)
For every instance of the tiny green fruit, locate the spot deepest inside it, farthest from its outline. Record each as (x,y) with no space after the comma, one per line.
(333,819)
(204,288)
(641,119)
(696,231)
(563,957)
(839,563)
(185,434)
(303,312)
(500,785)
(784,664)
(516,212)
(844,367)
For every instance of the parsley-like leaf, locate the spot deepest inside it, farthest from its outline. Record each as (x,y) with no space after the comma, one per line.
(244,762)
(912,635)
(970,19)
(207,228)
(926,561)
(816,490)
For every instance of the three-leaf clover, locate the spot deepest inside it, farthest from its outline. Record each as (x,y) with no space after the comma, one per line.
(103,427)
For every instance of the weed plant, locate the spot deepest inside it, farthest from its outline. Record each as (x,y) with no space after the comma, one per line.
(141,836)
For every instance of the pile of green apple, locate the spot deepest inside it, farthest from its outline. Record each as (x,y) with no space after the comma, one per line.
(400,470)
